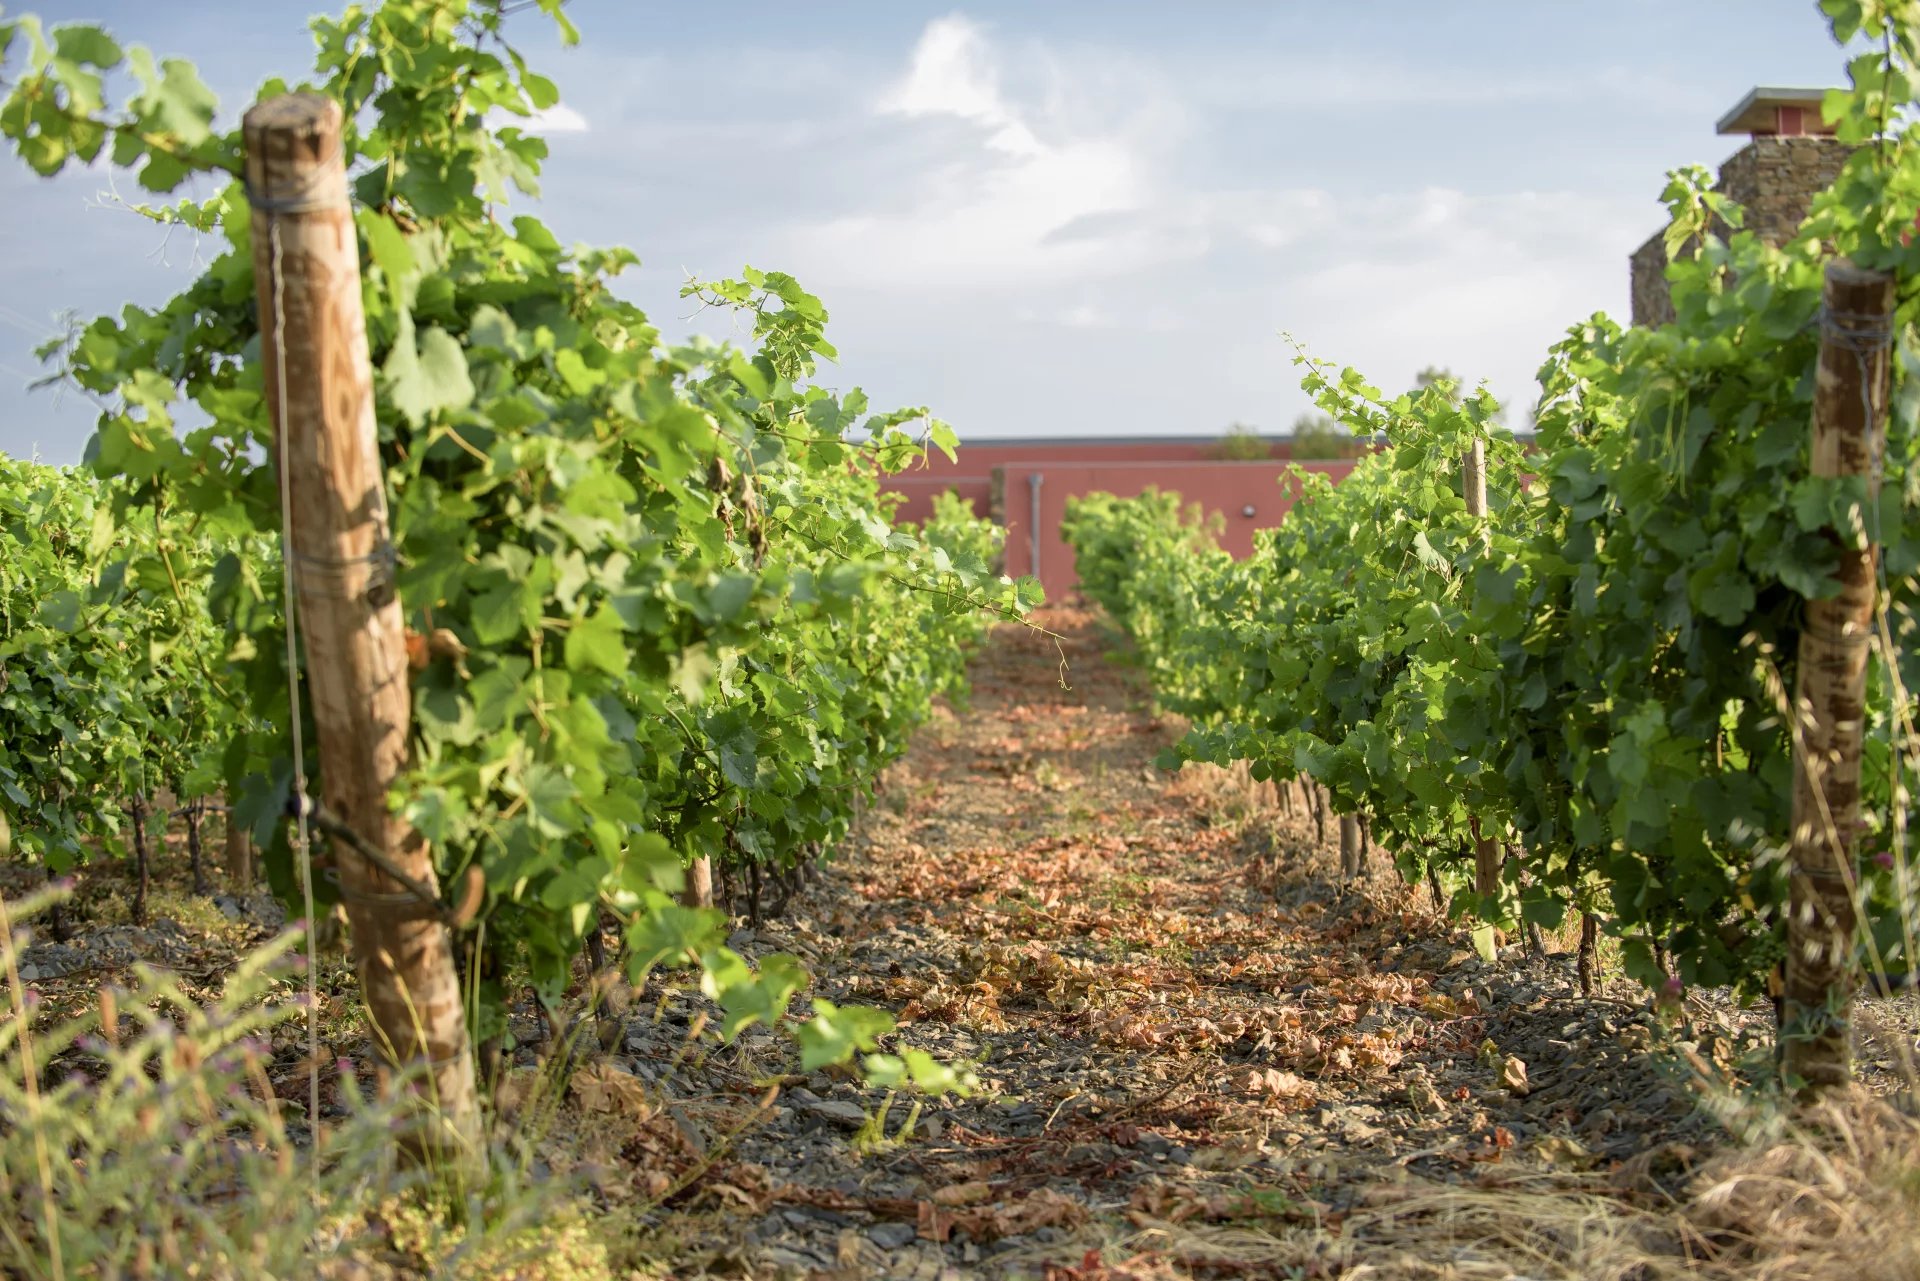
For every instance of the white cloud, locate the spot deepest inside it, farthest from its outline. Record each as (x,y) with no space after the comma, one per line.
(1273,220)
(1087,316)
(1483,284)
(1329,83)
(1047,186)
(953,74)
(984,209)
(1041,167)
(1090,315)
(557,119)
(1103,232)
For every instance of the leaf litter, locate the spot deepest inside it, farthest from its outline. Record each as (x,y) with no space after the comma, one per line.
(1200,1054)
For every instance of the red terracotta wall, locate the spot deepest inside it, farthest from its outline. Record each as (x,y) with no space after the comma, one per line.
(972,474)
(1227,488)
(1069,469)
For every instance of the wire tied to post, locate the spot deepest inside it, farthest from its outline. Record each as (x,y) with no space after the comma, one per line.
(303,848)
(315,192)
(1857,331)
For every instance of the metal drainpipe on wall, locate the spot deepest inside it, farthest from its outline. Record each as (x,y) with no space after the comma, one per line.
(1033,533)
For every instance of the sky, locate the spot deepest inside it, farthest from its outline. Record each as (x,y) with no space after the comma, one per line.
(1076,218)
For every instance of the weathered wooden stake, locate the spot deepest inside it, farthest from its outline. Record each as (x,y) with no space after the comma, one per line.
(194,809)
(1588,963)
(1349,847)
(239,855)
(1473,478)
(1473,486)
(1829,701)
(320,391)
(699,887)
(137,811)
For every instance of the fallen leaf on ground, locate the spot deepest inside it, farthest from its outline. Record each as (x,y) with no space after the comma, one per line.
(962,1193)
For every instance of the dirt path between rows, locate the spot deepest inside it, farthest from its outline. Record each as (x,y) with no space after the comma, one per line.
(1201,1055)
(1204,1057)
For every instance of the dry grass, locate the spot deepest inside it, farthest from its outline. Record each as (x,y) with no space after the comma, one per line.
(1838,1195)
(1835,1196)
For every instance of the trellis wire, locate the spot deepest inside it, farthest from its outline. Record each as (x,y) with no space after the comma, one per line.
(303,850)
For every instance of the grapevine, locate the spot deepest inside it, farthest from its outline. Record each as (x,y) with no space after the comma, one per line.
(1597,669)
(664,611)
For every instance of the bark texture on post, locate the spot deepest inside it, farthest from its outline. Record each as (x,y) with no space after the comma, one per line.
(1473,487)
(1829,699)
(1473,478)
(137,812)
(1588,964)
(239,856)
(307,278)
(699,887)
(1349,847)
(193,810)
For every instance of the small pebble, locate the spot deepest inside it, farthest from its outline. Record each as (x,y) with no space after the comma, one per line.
(892,1236)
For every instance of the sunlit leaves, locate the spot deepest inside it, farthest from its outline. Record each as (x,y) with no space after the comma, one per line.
(420,381)
(1598,670)
(836,1033)
(107,650)
(594,643)
(659,605)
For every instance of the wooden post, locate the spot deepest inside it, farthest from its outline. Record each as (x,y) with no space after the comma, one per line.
(142,865)
(307,279)
(194,808)
(1349,847)
(1588,962)
(239,856)
(1473,486)
(1473,479)
(699,887)
(1829,701)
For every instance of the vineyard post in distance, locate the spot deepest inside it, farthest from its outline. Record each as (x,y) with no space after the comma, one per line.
(1486,849)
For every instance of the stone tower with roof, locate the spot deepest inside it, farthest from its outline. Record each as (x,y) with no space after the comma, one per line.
(1790,157)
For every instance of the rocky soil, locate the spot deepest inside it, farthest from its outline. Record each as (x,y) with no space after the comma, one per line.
(1200,1053)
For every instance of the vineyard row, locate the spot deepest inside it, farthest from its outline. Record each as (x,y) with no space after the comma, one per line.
(1656,669)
